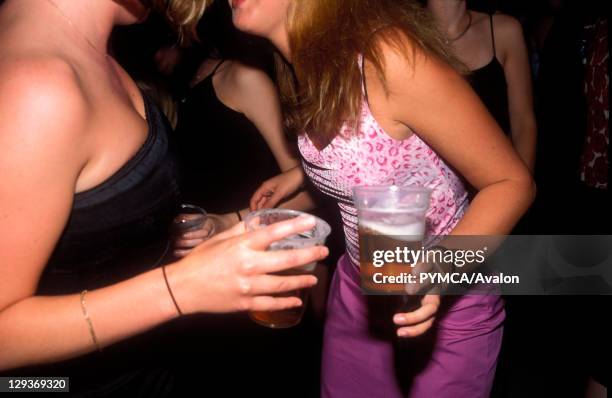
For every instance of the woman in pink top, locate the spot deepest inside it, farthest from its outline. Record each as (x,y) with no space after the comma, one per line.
(374,97)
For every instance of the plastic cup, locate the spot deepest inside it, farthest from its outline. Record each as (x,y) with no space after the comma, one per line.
(389,217)
(314,237)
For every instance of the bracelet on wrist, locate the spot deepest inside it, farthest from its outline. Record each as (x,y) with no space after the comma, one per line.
(178,309)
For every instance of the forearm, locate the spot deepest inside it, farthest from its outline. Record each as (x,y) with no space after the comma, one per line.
(524,140)
(44,329)
(496,209)
(493,213)
(302,201)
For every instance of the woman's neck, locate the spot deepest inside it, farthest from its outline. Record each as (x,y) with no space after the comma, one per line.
(450,15)
(89,21)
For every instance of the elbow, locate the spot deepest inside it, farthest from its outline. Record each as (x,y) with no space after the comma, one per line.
(532,191)
(527,188)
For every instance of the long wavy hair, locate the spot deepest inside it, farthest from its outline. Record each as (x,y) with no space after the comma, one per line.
(321,90)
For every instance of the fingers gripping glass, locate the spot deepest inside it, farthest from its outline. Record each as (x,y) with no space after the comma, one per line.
(314,237)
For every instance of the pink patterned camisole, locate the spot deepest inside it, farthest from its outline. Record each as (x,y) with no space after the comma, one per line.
(371,157)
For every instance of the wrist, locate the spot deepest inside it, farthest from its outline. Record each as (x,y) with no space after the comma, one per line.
(176,293)
(239,215)
(298,176)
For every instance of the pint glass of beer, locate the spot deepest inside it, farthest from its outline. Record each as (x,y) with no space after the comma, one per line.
(390,218)
(314,237)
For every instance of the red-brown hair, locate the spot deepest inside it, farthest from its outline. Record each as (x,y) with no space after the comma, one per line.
(321,90)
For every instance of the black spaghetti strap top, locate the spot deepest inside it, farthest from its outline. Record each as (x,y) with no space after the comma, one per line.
(489,82)
(117,230)
(223,156)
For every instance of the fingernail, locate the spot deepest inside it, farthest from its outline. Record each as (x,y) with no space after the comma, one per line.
(402,333)
(399,319)
(308,220)
(324,251)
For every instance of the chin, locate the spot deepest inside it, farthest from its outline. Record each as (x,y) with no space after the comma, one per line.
(242,24)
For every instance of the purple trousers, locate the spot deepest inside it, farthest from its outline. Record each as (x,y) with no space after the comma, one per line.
(455,359)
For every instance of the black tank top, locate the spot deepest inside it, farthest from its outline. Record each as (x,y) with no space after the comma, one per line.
(117,230)
(489,82)
(223,157)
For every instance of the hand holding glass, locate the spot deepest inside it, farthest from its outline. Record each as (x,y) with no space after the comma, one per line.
(190,228)
(313,237)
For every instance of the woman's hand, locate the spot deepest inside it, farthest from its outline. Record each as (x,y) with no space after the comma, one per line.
(416,323)
(185,242)
(232,270)
(277,188)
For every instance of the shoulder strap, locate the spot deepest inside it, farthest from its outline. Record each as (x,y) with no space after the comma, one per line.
(492,35)
(217,67)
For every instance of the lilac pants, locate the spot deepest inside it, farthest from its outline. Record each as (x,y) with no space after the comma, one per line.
(455,359)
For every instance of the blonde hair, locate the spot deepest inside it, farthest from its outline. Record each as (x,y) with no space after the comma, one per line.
(184,15)
(322,89)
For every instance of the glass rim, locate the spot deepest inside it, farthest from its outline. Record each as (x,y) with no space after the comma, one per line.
(319,222)
(191,206)
(390,188)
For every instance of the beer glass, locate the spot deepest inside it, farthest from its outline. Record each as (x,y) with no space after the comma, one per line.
(190,218)
(314,237)
(389,217)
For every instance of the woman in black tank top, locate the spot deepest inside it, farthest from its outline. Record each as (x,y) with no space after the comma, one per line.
(217,144)
(89,189)
(493,49)
(230,132)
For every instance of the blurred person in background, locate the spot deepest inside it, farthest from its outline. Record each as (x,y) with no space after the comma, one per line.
(492,47)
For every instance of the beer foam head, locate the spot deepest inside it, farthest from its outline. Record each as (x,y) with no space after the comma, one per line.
(407,232)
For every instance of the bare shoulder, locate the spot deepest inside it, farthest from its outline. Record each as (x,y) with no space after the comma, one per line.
(509,36)
(507,27)
(401,58)
(38,83)
(246,76)
(41,102)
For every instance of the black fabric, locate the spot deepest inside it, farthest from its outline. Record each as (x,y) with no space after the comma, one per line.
(115,231)
(223,157)
(489,82)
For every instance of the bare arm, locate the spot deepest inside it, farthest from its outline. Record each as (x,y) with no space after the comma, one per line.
(520,92)
(258,100)
(467,137)
(261,105)
(42,119)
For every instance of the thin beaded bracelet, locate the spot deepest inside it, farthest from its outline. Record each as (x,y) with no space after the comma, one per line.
(92,332)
